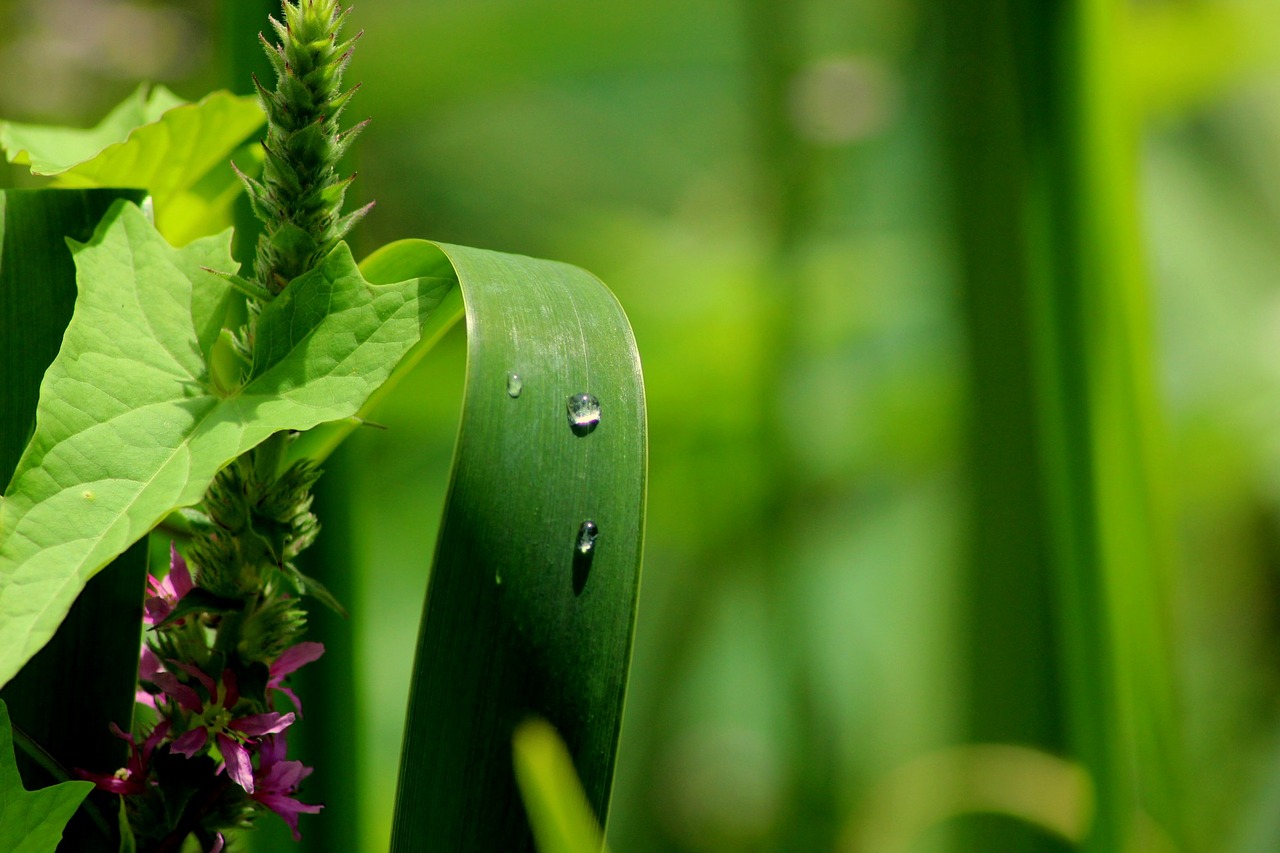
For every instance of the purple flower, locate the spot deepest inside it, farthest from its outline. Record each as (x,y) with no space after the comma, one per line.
(164,595)
(149,667)
(276,780)
(231,734)
(290,660)
(130,778)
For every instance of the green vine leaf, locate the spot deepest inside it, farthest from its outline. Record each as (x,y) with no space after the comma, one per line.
(52,150)
(175,150)
(32,821)
(130,424)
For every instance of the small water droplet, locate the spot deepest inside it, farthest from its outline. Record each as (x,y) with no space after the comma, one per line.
(497,578)
(583,552)
(514,385)
(584,413)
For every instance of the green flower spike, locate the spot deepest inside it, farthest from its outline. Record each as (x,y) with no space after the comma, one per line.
(300,196)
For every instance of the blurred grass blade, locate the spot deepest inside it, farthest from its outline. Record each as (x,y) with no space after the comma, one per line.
(95,650)
(1111,364)
(1072,541)
(1049,794)
(1011,654)
(553,798)
(526,612)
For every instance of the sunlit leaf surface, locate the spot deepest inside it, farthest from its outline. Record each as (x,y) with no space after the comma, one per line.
(177,151)
(129,424)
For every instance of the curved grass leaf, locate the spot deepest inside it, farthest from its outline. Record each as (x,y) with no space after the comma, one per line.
(176,151)
(130,425)
(558,812)
(519,621)
(32,821)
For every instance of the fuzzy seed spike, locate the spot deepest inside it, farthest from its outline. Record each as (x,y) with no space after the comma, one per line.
(300,188)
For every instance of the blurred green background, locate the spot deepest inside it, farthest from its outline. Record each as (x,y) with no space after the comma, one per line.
(785,196)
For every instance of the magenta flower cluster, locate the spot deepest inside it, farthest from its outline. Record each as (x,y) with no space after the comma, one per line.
(207,732)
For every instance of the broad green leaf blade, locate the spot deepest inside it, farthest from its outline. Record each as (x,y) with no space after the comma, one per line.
(32,821)
(129,425)
(178,152)
(558,812)
(395,262)
(518,621)
(50,150)
(94,652)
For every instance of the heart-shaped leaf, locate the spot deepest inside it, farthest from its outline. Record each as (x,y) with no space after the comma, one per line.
(130,425)
(32,821)
(52,150)
(176,151)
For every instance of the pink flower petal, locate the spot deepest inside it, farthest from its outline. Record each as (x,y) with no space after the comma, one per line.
(231,690)
(181,693)
(153,739)
(237,759)
(257,725)
(271,750)
(179,577)
(155,610)
(111,783)
(198,674)
(148,664)
(292,658)
(191,742)
(288,808)
(218,844)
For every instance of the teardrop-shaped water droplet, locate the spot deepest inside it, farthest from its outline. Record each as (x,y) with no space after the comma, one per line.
(584,551)
(514,385)
(584,413)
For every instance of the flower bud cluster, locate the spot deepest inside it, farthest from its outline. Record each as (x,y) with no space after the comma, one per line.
(224,632)
(213,754)
(300,196)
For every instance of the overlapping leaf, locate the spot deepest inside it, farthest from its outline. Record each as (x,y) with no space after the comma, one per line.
(53,150)
(176,151)
(32,821)
(130,425)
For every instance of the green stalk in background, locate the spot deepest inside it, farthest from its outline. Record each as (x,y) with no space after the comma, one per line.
(785,191)
(1069,542)
(1010,627)
(1127,427)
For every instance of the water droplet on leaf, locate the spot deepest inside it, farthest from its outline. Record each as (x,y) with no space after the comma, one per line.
(584,413)
(514,385)
(584,551)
